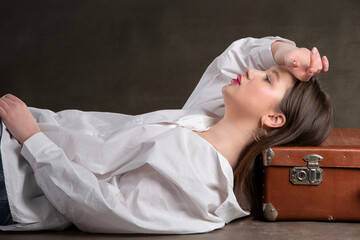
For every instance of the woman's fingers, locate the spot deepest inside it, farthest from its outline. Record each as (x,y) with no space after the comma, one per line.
(17,118)
(2,109)
(4,104)
(9,102)
(316,64)
(325,64)
(11,98)
(315,61)
(310,71)
(304,64)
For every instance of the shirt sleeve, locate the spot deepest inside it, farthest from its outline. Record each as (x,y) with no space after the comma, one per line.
(98,206)
(72,189)
(241,54)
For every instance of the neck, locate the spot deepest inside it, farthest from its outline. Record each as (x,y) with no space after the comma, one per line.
(229,138)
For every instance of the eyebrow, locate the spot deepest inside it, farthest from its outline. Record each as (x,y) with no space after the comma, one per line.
(276,73)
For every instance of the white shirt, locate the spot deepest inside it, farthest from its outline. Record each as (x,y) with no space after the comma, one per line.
(116,173)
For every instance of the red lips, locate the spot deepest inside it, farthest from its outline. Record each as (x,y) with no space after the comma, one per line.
(237,81)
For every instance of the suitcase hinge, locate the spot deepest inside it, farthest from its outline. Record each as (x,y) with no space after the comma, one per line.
(310,175)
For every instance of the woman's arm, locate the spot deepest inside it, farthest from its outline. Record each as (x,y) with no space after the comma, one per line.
(111,205)
(241,54)
(256,53)
(302,63)
(73,190)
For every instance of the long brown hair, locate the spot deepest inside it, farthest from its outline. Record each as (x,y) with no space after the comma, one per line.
(309,118)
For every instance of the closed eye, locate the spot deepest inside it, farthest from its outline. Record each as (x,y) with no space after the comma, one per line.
(267,79)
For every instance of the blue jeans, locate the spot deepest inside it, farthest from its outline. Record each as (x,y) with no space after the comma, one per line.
(5,215)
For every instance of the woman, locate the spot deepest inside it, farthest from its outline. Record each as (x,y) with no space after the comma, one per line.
(168,171)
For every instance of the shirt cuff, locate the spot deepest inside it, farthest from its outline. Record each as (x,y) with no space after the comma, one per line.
(34,146)
(265,51)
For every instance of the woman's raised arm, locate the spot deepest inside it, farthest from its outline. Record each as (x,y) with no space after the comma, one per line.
(302,63)
(256,53)
(241,54)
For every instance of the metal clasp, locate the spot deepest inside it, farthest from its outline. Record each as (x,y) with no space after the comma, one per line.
(310,175)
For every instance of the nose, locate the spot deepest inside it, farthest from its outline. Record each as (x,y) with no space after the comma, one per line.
(249,73)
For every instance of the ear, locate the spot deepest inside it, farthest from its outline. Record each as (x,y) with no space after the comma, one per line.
(274,120)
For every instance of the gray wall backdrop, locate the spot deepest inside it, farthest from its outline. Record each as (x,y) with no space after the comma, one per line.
(136,56)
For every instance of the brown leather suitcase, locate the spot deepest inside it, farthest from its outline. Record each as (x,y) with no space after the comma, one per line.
(314,183)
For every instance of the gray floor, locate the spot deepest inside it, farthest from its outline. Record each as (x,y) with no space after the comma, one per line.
(240,229)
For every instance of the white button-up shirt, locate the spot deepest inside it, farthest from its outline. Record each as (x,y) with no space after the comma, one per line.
(115,173)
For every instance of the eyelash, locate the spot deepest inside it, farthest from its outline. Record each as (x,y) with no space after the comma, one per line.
(267,79)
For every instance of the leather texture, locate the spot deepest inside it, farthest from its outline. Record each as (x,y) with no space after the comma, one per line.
(337,197)
(343,137)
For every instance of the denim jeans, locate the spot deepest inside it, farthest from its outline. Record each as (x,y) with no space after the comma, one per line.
(5,215)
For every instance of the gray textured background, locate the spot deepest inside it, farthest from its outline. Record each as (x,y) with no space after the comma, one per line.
(135,56)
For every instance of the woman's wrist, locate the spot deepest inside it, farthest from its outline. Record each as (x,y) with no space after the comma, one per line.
(280,49)
(302,63)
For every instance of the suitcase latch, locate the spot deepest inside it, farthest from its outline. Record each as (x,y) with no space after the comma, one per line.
(310,175)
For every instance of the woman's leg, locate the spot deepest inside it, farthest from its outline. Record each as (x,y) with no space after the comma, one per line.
(5,215)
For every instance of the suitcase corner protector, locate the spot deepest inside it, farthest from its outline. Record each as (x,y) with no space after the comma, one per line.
(270,212)
(267,156)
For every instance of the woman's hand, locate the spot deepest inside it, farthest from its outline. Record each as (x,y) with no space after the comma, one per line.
(17,118)
(302,63)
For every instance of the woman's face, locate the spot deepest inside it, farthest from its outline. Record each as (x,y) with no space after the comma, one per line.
(257,92)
